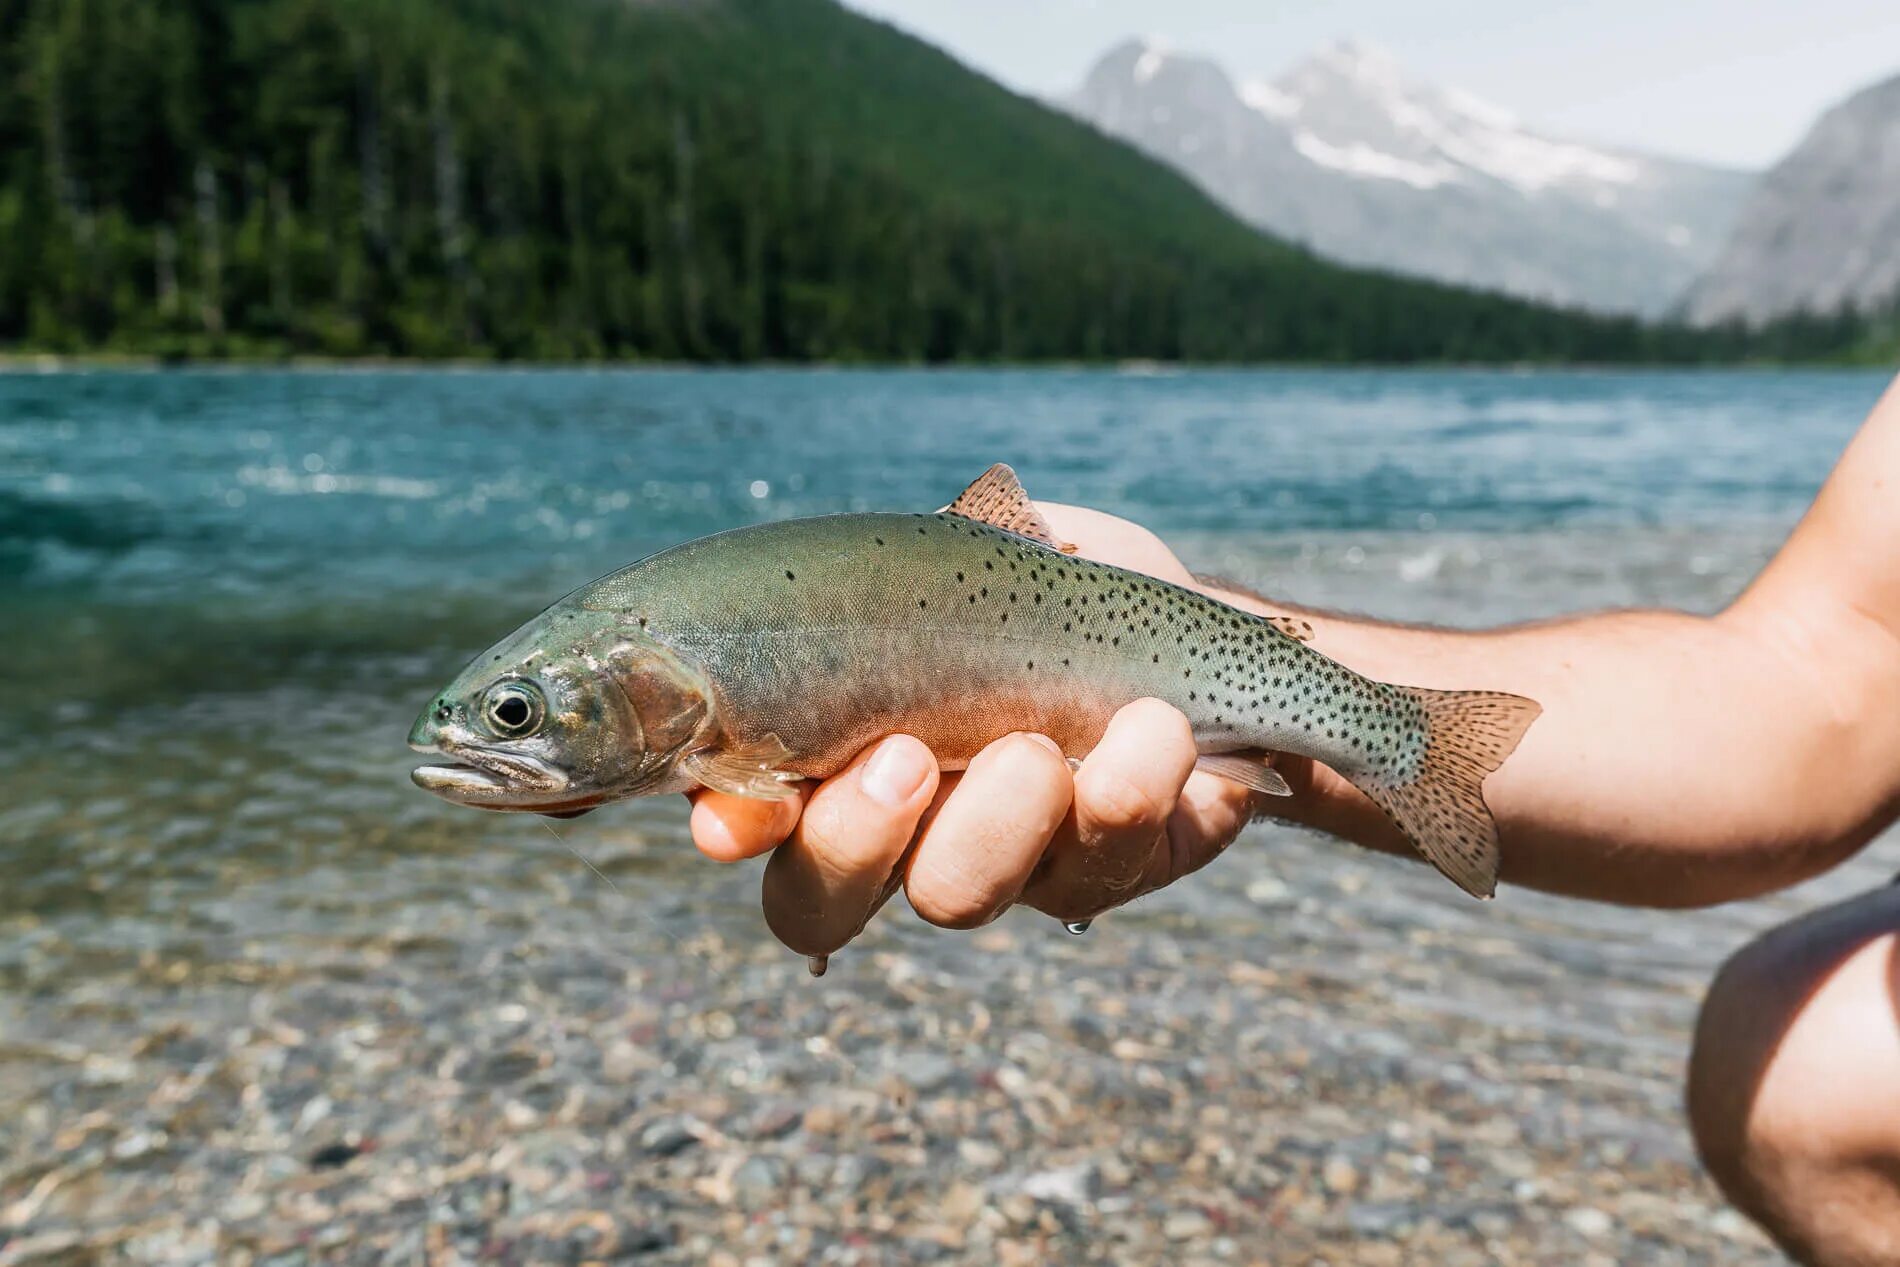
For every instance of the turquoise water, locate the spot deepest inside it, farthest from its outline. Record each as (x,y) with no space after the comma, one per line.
(223,595)
(283,488)
(149,520)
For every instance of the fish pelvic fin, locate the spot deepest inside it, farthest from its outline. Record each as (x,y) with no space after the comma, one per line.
(1249,769)
(1442,810)
(751,770)
(999,499)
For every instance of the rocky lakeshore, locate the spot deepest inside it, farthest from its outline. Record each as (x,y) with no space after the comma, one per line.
(1324,1057)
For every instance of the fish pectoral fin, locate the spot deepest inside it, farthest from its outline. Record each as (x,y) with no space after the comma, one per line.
(749,771)
(1292,627)
(999,499)
(1247,769)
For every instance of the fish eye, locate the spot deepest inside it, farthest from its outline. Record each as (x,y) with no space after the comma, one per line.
(513,709)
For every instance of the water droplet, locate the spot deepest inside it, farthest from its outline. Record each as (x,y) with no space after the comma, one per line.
(1076,927)
(817,965)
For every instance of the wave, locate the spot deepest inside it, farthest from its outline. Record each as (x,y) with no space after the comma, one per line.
(33,529)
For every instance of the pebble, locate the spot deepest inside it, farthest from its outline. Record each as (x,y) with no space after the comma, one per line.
(1187,1225)
(928,1072)
(1071,1185)
(758,1180)
(1340,1176)
(667,1137)
(1588,1221)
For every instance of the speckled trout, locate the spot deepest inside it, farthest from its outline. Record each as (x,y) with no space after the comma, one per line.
(751,659)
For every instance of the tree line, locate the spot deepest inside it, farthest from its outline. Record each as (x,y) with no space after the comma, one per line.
(709,180)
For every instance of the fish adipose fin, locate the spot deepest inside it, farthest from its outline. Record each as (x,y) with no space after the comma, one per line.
(1246,769)
(1468,734)
(750,771)
(999,499)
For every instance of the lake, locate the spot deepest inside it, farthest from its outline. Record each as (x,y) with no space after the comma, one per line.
(232,934)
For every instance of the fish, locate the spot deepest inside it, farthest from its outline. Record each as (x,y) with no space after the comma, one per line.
(752,659)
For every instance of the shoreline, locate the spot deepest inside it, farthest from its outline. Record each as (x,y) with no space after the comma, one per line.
(20,363)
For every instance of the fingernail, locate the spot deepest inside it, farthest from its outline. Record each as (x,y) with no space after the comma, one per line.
(1044,740)
(894,772)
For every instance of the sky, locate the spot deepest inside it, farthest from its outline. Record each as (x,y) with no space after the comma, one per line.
(1727,81)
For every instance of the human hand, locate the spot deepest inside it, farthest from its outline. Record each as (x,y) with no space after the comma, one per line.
(1016,826)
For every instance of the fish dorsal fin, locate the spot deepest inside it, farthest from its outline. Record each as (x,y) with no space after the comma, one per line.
(999,499)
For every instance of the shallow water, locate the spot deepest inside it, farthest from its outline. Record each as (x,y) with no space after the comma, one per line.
(224,595)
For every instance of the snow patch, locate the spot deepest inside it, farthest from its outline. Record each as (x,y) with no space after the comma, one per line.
(1449,125)
(1364,64)
(1478,110)
(1148,65)
(1359,159)
(1532,163)
(1263,97)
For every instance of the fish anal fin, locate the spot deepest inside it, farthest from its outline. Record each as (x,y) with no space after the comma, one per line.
(750,770)
(998,498)
(1292,627)
(1249,769)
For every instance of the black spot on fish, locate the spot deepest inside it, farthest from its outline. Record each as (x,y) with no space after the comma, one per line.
(790,577)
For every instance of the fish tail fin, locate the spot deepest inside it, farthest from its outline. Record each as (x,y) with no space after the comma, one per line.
(1441,810)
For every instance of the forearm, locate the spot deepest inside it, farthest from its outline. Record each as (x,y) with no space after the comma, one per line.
(1679,761)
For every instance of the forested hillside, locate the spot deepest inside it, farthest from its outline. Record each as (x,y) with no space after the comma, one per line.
(674,179)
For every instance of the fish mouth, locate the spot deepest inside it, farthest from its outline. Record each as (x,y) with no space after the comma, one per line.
(477,775)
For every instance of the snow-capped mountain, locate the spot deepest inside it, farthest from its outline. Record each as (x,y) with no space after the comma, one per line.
(1822,231)
(1360,161)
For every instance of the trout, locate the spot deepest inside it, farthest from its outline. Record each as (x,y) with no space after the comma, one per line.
(751,659)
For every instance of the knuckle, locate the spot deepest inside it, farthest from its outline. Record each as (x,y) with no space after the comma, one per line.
(952,910)
(949,898)
(827,840)
(1113,802)
(1020,750)
(843,834)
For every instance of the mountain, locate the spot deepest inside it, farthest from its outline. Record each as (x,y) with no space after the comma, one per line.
(680,179)
(1350,155)
(1822,232)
